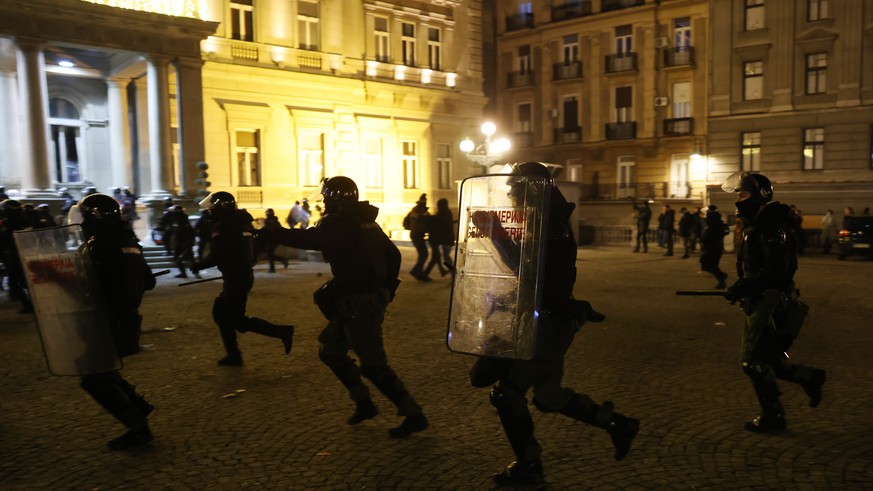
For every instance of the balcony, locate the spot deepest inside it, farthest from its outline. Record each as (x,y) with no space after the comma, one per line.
(611,190)
(522,139)
(621,131)
(517,22)
(678,126)
(608,5)
(679,56)
(565,71)
(621,62)
(568,135)
(519,79)
(571,10)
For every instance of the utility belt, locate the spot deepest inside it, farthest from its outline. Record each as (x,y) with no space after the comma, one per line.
(788,311)
(328,298)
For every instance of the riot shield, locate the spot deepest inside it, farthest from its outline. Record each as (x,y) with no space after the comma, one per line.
(73,325)
(495,294)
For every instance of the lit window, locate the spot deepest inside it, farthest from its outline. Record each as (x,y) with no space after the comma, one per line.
(816,10)
(373,162)
(307,25)
(753,80)
(382,38)
(754,18)
(410,164)
(241,20)
(816,73)
(750,155)
(434,48)
(311,158)
(813,148)
(570,52)
(248,143)
(407,44)
(444,165)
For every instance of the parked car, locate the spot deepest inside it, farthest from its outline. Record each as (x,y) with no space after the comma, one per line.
(856,236)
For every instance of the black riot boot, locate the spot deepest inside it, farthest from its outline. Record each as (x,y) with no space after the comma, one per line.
(265,328)
(622,429)
(110,393)
(813,386)
(350,376)
(527,470)
(234,357)
(364,407)
(390,385)
(772,418)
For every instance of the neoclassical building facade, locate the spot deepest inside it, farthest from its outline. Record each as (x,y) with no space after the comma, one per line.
(273,95)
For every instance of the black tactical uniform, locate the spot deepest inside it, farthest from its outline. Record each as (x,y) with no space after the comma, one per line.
(712,245)
(766,264)
(12,219)
(560,318)
(365,266)
(231,251)
(182,240)
(124,277)
(644,216)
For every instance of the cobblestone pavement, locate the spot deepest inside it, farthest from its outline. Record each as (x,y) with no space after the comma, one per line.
(670,361)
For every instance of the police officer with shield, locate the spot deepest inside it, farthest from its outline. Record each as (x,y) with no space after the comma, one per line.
(232,252)
(766,263)
(560,317)
(123,277)
(365,266)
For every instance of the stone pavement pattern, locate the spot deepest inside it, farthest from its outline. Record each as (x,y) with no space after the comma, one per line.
(670,361)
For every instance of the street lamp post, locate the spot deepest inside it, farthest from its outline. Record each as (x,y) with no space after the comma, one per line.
(488,152)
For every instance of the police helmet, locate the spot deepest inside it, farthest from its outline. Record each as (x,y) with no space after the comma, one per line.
(8,206)
(89,190)
(99,207)
(757,185)
(219,201)
(339,189)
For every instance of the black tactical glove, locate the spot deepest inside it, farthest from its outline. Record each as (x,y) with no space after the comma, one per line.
(731,296)
(585,312)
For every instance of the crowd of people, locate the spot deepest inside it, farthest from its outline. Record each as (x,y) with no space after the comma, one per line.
(431,234)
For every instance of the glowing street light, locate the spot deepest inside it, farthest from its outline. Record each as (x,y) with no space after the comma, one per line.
(489,151)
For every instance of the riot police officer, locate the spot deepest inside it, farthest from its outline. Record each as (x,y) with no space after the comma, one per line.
(13,218)
(365,266)
(123,277)
(232,252)
(560,315)
(766,263)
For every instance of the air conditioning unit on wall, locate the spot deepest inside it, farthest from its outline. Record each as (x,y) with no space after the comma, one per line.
(662,42)
(553,112)
(661,101)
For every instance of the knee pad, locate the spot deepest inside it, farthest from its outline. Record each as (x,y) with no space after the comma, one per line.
(499,398)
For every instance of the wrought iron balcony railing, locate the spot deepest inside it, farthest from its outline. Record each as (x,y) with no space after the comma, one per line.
(608,5)
(678,126)
(520,79)
(621,62)
(679,56)
(612,190)
(568,135)
(517,22)
(621,131)
(571,10)
(565,70)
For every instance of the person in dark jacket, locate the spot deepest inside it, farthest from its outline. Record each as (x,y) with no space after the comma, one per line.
(272,221)
(203,232)
(182,240)
(365,266)
(560,316)
(123,277)
(165,225)
(13,219)
(441,238)
(766,264)
(231,250)
(712,245)
(419,219)
(667,226)
(688,222)
(643,217)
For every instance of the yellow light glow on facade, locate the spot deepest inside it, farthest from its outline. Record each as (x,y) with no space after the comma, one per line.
(177,8)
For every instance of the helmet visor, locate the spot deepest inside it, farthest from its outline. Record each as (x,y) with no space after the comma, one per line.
(74,216)
(739,181)
(206,203)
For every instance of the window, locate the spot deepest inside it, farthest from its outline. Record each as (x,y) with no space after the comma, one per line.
(524,113)
(570,52)
(750,155)
(407,44)
(242,25)
(248,165)
(816,10)
(681,33)
(524,61)
(307,25)
(624,39)
(311,158)
(623,104)
(383,39)
(813,148)
(816,73)
(373,161)
(754,18)
(444,166)
(682,100)
(525,8)
(410,164)
(434,48)
(571,113)
(753,80)
(626,167)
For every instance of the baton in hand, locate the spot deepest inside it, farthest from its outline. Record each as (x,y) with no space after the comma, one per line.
(701,293)
(161,273)
(201,281)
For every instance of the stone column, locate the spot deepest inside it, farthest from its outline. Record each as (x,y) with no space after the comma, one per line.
(160,146)
(33,93)
(10,160)
(119,136)
(189,96)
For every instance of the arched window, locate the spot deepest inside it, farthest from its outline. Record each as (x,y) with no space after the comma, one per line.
(62,108)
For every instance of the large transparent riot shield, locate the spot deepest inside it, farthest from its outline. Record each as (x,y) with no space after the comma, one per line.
(496,291)
(73,325)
